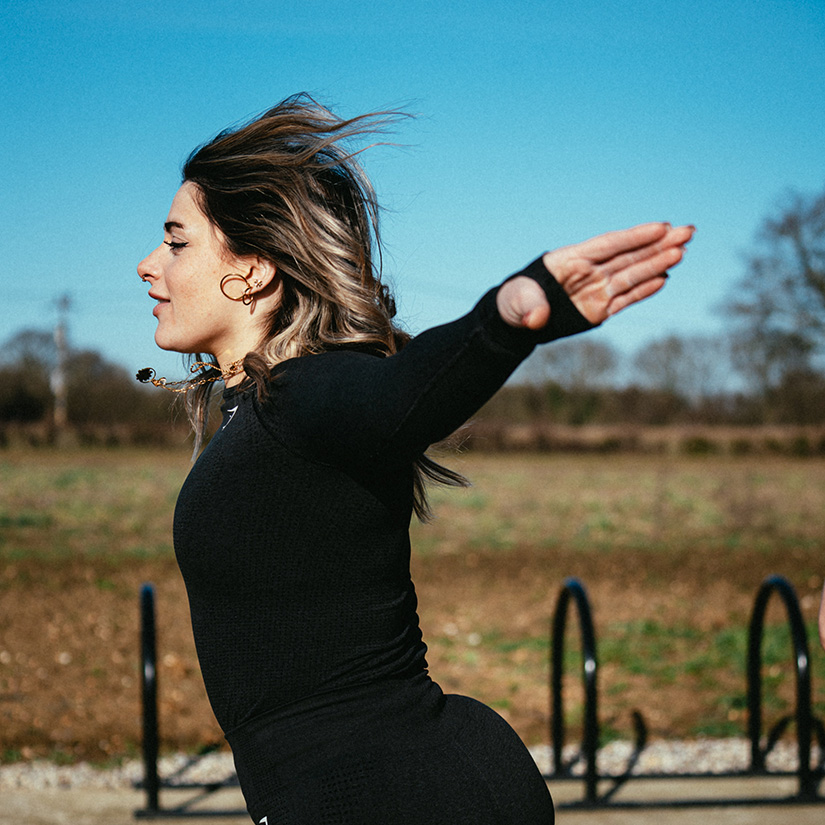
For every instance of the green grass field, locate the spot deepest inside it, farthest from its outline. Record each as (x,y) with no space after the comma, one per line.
(671,550)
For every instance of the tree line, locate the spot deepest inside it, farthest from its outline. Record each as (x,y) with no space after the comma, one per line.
(104,403)
(767,368)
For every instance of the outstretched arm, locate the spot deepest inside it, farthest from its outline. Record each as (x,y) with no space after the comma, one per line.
(602,275)
(398,406)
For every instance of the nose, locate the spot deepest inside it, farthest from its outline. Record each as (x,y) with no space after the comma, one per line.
(147,268)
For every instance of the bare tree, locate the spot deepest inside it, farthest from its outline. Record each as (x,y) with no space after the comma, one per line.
(575,364)
(778,307)
(30,349)
(694,367)
(25,361)
(97,391)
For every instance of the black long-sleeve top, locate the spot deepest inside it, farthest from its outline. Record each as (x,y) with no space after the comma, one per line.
(291,530)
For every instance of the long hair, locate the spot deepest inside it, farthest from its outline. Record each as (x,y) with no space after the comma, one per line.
(288,188)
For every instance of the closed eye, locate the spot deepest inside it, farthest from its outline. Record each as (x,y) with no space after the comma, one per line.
(176,244)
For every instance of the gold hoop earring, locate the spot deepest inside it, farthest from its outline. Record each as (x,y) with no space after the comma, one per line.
(246,297)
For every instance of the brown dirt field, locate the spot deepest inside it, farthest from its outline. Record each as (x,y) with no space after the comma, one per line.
(75,688)
(69,683)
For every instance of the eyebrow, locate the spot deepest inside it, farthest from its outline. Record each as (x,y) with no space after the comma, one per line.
(172,225)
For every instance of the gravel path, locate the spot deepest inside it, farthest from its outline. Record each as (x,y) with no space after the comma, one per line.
(41,793)
(680,757)
(667,757)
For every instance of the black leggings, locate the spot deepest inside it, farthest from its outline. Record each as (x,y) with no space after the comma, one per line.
(380,755)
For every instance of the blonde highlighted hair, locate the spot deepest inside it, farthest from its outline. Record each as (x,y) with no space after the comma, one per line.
(287,187)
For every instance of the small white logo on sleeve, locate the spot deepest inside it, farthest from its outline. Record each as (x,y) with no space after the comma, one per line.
(231,416)
(264,821)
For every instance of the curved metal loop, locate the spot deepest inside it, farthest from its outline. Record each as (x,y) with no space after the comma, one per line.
(801,657)
(245,296)
(574,589)
(149,695)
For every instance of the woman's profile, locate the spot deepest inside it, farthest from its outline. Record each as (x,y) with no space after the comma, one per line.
(292,528)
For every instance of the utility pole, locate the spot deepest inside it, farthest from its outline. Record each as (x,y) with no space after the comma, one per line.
(58,382)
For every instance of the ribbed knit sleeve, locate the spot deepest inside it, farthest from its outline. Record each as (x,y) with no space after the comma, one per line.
(362,406)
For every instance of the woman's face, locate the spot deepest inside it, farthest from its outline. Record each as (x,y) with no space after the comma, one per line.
(185,273)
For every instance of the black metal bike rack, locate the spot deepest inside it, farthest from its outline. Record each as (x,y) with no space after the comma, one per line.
(807,725)
(805,721)
(574,589)
(152,782)
(149,697)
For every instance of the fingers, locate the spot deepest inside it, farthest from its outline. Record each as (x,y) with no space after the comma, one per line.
(682,234)
(632,273)
(637,293)
(607,246)
(614,251)
(646,276)
(674,238)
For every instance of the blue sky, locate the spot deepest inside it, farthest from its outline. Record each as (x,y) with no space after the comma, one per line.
(538,124)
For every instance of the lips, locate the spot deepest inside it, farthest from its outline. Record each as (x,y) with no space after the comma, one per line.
(159,304)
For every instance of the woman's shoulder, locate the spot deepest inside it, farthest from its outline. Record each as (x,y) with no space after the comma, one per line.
(316,404)
(333,365)
(318,383)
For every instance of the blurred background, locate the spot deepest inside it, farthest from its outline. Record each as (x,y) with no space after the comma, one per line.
(537,124)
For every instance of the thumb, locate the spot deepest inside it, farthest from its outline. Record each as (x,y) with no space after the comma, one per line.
(522,303)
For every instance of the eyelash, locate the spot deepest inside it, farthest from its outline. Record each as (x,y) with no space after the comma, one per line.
(174,245)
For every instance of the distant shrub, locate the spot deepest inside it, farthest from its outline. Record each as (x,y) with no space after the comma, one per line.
(773,445)
(613,445)
(800,446)
(699,445)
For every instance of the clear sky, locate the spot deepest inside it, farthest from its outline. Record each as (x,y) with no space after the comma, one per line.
(538,123)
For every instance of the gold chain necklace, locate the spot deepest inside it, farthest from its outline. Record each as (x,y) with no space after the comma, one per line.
(147,375)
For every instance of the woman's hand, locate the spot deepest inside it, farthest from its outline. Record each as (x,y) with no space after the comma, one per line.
(601,276)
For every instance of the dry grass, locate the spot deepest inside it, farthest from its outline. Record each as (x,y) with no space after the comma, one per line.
(670,548)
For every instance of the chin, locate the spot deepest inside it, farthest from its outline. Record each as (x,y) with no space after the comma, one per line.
(163,343)
(170,345)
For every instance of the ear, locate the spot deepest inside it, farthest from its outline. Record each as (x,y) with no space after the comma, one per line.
(262,274)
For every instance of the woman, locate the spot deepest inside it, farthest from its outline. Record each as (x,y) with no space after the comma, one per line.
(291,530)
